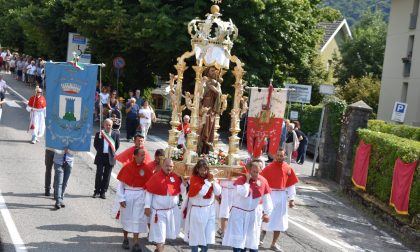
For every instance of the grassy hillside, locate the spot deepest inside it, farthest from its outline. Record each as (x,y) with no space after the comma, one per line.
(353,9)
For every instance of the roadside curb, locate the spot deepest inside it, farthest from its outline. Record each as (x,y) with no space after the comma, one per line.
(406,232)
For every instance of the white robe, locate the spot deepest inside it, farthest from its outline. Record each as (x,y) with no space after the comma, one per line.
(38,120)
(200,222)
(228,192)
(168,213)
(132,216)
(244,226)
(279,216)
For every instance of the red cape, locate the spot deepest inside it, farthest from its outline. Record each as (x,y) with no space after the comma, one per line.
(127,156)
(152,166)
(186,127)
(256,190)
(134,175)
(37,102)
(196,183)
(162,184)
(279,175)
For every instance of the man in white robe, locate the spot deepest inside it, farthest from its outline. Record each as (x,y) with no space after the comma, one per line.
(243,230)
(201,217)
(161,204)
(37,109)
(130,198)
(282,179)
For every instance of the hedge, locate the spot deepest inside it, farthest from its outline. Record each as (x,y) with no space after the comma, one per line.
(386,148)
(309,117)
(403,131)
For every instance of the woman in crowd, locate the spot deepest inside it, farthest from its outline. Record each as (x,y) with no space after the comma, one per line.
(147,115)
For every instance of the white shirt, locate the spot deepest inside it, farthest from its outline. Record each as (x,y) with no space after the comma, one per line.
(106,146)
(3,86)
(104,98)
(147,113)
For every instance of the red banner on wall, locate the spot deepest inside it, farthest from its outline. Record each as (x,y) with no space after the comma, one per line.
(401,185)
(361,165)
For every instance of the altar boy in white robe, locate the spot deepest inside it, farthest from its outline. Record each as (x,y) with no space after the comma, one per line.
(130,198)
(161,204)
(247,214)
(201,216)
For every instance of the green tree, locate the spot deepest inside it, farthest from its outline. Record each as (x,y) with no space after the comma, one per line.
(363,54)
(366,88)
(353,9)
(278,36)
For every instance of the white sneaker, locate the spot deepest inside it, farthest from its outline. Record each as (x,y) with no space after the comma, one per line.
(33,141)
(276,248)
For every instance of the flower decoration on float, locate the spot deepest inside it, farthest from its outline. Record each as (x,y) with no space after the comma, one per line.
(178,155)
(215,157)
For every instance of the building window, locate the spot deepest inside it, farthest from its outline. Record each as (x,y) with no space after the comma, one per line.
(404,91)
(414,14)
(329,64)
(407,59)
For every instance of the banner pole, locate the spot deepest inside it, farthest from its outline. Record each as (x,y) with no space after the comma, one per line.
(100,104)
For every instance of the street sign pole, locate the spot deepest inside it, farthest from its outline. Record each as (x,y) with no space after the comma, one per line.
(118,79)
(118,63)
(318,139)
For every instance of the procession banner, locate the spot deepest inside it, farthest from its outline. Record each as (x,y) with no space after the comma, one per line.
(265,119)
(361,165)
(70,102)
(401,185)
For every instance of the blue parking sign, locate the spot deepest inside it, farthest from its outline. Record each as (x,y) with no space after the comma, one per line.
(399,111)
(400,108)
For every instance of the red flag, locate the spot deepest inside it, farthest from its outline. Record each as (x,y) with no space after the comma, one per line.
(401,185)
(265,120)
(361,165)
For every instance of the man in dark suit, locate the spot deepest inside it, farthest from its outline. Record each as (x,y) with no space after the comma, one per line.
(106,144)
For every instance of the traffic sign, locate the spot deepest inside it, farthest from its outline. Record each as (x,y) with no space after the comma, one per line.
(300,94)
(119,62)
(398,113)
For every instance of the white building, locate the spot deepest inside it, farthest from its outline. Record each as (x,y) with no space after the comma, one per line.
(401,75)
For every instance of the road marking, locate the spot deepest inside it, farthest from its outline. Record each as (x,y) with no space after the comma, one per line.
(19,95)
(10,224)
(321,238)
(13,104)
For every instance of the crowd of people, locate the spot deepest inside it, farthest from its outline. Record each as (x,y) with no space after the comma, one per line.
(139,114)
(23,67)
(152,199)
(149,192)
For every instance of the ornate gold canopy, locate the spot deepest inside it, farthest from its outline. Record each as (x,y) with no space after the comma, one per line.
(211,41)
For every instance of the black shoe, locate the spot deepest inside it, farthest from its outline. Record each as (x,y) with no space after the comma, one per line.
(62,205)
(136,248)
(57,206)
(125,244)
(47,193)
(103,196)
(95,195)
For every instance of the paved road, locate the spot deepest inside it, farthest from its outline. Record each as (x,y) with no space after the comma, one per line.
(322,220)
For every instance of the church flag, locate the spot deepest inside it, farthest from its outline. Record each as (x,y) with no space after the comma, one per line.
(70,103)
(265,119)
(361,165)
(401,185)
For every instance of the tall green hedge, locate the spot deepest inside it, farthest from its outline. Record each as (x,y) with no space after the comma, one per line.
(386,148)
(403,131)
(309,117)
